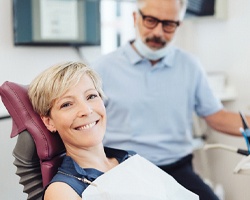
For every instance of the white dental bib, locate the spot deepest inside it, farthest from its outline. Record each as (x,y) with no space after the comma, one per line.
(136,179)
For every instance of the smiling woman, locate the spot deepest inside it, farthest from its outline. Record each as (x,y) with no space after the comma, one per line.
(68,98)
(78,116)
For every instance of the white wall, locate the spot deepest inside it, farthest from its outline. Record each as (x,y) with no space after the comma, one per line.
(222,45)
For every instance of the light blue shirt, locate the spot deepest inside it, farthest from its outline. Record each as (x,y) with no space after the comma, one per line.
(150,109)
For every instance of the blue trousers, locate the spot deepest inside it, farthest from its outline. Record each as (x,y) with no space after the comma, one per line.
(184,174)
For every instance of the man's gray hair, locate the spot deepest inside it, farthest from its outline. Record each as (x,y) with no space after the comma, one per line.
(141,3)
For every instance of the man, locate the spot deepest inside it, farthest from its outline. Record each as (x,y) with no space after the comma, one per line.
(152,90)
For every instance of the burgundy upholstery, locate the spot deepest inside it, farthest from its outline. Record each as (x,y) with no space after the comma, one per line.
(49,146)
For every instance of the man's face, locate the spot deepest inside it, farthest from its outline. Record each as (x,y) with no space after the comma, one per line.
(156,38)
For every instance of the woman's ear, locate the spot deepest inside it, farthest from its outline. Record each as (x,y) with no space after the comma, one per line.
(48,122)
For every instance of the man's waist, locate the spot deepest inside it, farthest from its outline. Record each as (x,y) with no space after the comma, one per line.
(177,164)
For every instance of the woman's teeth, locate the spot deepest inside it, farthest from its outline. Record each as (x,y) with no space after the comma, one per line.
(86,126)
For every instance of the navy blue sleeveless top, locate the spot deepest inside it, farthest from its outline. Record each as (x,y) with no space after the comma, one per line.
(69,167)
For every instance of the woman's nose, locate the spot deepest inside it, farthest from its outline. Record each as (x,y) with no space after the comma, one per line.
(84,109)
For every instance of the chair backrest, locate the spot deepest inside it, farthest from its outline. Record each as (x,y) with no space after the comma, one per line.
(38,152)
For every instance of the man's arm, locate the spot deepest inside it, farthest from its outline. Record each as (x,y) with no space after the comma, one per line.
(226,122)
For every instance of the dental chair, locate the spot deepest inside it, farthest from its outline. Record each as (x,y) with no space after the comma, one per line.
(38,152)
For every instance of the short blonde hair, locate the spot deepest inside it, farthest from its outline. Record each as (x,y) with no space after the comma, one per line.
(55,81)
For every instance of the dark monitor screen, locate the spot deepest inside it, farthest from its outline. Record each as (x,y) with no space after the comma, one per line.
(201,7)
(56,22)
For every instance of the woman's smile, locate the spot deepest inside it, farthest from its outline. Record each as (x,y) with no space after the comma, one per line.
(87,126)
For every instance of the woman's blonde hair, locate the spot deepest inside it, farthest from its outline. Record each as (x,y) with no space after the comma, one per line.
(55,81)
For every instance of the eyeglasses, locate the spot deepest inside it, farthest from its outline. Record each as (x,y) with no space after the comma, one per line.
(168,26)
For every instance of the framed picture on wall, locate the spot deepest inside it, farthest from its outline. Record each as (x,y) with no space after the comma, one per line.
(56,22)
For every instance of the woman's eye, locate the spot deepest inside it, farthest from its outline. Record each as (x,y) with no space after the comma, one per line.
(65,105)
(92,96)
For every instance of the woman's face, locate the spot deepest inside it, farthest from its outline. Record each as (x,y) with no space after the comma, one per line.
(79,116)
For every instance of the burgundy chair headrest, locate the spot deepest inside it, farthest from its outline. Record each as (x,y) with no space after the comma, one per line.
(15,98)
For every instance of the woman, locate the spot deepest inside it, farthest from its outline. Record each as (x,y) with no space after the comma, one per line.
(68,97)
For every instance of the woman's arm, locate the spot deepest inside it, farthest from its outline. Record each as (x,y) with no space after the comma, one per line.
(60,191)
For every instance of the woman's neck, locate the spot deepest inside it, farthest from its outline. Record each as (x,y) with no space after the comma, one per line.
(93,157)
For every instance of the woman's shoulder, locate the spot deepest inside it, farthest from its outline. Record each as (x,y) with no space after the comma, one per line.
(60,190)
(68,174)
